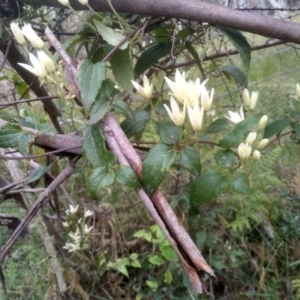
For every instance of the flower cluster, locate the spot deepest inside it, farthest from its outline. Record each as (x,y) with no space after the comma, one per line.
(192,96)
(244,149)
(78,230)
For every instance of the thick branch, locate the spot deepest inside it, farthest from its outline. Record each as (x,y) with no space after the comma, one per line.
(196,10)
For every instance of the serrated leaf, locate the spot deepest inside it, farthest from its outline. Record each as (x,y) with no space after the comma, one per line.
(122,68)
(241,184)
(37,173)
(136,125)
(94,148)
(190,161)
(153,53)
(236,74)
(111,36)
(123,108)
(156,260)
(156,165)
(126,176)
(276,127)
(207,186)
(91,77)
(218,125)
(12,135)
(240,43)
(232,139)
(168,132)
(99,179)
(226,158)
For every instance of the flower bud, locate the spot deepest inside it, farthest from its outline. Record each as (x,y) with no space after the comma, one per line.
(262,123)
(17,33)
(251,138)
(246,97)
(206,99)
(244,151)
(253,100)
(256,155)
(298,90)
(262,144)
(64,2)
(46,61)
(83,2)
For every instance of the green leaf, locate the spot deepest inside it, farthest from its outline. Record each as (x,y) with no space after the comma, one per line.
(168,277)
(136,264)
(155,52)
(37,174)
(207,186)
(276,127)
(297,130)
(99,179)
(152,284)
(120,264)
(122,68)
(246,125)
(195,55)
(168,132)
(236,74)
(241,184)
(126,176)
(190,161)
(240,43)
(218,125)
(136,125)
(200,238)
(90,81)
(12,135)
(232,139)
(226,158)
(111,36)
(156,165)
(123,108)
(22,88)
(295,114)
(156,260)
(167,252)
(94,148)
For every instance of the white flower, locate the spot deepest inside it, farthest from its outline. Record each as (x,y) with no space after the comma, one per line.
(72,247)
(32,37)
(262,144)
(65,224)
(298,91)
(88,213)
(17,33)
(64,2)
(236,117)
(262,123)
(84,2)
(145,91)
(175,114)
(37,68)
(206,99)
(87,229)
(75,236)
(46,61)
(178,87)
(256,155)
(253,100)
(244,151)
(251,138)
(246,97)
(196,117)
(192,93)
(72,209)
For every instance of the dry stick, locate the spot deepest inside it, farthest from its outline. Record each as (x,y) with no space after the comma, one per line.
(40,202)
(193,262)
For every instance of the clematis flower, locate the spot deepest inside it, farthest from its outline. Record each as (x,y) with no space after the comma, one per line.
(256,155)
(178,87)
(262,123)
(72,209)
(17,33)
(206,99)
(37,68)
(32,37)
(46,61)
(251,138)
(88,213)
(147,90)
(174,113)
(87,229)
(244,151)
(196,117)
(236,117)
